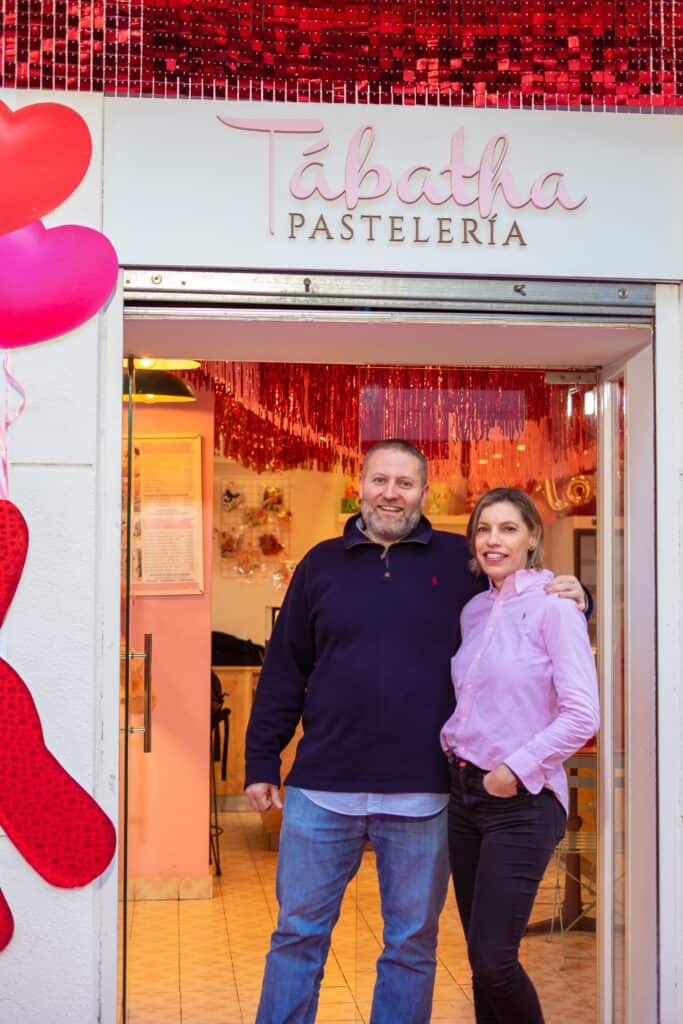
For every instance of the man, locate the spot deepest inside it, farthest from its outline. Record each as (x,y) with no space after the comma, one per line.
(361,654)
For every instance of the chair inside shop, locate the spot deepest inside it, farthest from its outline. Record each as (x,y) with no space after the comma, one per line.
(220,722)
(575,889)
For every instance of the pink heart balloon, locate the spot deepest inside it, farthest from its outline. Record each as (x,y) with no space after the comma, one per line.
(52,280)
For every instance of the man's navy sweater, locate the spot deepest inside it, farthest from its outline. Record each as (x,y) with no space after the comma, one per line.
(361,653)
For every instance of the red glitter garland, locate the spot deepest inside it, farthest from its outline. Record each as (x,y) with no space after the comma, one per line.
(601,54)
(486,426)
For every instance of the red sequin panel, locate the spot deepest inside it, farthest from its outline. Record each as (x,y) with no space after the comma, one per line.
(592,54)
(53,822)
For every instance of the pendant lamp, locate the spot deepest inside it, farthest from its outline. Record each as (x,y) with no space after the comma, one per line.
(157,386)
(161,363)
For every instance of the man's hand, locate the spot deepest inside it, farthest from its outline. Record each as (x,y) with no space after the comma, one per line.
(263,795)
(500,782)
(568,586)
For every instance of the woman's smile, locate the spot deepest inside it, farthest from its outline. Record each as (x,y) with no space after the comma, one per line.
(502,542)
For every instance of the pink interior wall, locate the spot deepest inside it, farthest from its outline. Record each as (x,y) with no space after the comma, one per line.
(169,788)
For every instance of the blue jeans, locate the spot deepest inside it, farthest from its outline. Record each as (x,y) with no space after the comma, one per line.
(320,852)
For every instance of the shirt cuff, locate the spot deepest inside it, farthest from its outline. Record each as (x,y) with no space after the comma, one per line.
(526,769)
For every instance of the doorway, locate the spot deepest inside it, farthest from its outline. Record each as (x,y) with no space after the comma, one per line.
(589,540)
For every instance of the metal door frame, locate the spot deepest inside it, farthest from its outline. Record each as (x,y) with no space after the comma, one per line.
(170,291)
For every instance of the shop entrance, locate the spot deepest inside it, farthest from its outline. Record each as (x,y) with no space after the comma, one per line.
(559,405)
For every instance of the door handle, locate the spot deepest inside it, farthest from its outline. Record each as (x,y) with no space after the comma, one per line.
(147,695)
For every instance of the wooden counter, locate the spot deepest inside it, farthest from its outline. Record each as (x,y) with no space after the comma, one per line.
(272,819)
(238,683)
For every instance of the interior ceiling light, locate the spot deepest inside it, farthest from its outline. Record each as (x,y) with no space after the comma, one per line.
(156,386)
(154,363)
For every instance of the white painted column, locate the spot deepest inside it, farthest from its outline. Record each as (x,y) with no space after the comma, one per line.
(669,435)
(62,630)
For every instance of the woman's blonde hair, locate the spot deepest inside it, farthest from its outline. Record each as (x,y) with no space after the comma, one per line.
(526,509)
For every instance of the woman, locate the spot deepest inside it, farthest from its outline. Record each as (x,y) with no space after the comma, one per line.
(527,699)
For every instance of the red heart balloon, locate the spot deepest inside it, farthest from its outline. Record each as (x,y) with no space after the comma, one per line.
(52,280)
(45,150)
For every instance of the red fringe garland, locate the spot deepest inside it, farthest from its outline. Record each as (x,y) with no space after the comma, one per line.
(489,426)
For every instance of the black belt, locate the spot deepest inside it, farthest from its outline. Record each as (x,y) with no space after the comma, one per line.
(462,764)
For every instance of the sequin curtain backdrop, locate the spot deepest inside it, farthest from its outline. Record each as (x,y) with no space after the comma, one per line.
(597,55)
(488,427)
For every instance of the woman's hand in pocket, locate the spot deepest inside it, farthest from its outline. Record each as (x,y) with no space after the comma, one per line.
(500,782)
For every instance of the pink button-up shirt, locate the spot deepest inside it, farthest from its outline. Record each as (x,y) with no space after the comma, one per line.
(525,683)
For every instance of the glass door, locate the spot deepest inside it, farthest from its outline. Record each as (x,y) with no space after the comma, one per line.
(135,678)
(627,880)
(165,770)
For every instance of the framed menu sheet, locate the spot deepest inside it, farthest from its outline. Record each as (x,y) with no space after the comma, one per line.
(166,536)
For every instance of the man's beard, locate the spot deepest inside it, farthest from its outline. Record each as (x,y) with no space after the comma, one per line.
(388,530)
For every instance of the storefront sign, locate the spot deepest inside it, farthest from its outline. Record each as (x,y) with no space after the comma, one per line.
(411,190)
(466,186)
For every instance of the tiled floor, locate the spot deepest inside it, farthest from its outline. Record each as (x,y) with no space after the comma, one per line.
(200,961)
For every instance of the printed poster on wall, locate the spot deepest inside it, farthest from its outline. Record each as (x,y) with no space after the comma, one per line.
(166,536)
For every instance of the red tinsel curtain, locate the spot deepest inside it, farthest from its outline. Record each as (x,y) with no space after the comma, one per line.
(484,427)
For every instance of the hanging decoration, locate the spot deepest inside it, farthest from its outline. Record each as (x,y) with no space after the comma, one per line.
(480,428)
(254,535)
(495,53)
(58,827)
(51,281)
(274,416)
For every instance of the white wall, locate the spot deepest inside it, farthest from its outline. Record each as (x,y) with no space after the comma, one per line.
(61,634)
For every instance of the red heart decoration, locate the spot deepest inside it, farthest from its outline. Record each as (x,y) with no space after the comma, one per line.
(56,826)
(45,150)
(52,280)
(14,545)
(6,922)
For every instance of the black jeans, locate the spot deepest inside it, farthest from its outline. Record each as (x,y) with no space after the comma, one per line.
(499,850)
